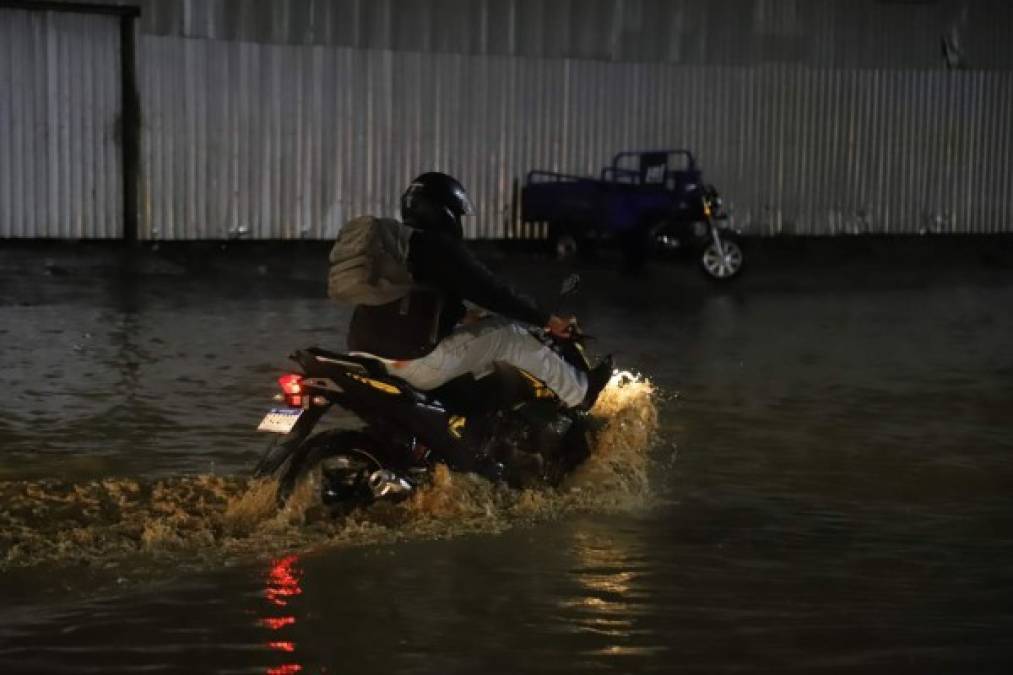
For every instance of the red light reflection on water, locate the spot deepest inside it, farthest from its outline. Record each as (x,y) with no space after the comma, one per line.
(283,581)
(278,622)
(282,646)
(282,586)
(287,669)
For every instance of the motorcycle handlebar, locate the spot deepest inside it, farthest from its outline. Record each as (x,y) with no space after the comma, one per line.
(575,335)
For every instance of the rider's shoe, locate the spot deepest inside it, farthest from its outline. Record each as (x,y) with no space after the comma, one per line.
(597,378)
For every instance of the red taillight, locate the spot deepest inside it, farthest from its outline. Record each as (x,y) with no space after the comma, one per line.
(291,386)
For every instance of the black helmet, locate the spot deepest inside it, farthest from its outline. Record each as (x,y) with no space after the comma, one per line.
(436,201)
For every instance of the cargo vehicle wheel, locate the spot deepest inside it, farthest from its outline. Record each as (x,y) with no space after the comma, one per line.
(563,242)
(725,265)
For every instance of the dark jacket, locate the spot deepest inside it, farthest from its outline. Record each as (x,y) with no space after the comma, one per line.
(449,274)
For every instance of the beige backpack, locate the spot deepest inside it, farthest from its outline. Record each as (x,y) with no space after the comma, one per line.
(369,262)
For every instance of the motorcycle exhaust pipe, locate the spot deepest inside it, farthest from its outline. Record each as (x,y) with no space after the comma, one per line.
(386,484)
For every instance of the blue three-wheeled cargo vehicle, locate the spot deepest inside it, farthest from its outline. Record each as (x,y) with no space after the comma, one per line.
(646,201)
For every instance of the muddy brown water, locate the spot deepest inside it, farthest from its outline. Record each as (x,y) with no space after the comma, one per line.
(818,479)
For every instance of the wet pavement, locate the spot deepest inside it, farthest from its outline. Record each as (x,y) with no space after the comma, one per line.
(830,489)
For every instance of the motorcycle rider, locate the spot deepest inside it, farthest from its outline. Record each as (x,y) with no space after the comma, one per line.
(429,338)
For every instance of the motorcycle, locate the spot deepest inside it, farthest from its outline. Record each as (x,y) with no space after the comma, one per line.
(715,246)
(506,426)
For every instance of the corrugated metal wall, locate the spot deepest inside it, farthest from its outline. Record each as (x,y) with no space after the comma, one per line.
(819,33)
(244,139)
(812,116)
(60,173)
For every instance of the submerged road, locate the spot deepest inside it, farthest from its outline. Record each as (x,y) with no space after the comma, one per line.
(830,488)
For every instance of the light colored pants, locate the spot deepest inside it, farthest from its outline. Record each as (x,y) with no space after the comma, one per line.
(476,347)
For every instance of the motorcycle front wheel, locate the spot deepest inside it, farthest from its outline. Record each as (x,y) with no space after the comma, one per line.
(722,265)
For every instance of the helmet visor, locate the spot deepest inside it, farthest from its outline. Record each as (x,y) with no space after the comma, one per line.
(462,204)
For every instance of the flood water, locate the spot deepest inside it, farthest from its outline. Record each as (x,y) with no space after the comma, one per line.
(829,488)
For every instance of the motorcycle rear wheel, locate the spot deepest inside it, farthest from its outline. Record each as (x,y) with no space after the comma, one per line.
(345,460)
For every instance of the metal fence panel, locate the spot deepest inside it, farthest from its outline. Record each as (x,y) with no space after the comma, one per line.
(287,141)
(60,101)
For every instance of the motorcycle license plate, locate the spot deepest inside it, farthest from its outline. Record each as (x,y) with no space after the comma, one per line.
(280,420)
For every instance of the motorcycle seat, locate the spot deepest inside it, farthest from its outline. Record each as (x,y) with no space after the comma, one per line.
(366,364)
(465,394)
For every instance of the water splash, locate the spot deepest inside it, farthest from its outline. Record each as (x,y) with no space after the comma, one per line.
(208,517)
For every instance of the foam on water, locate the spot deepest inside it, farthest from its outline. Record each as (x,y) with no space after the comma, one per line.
(209,517)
